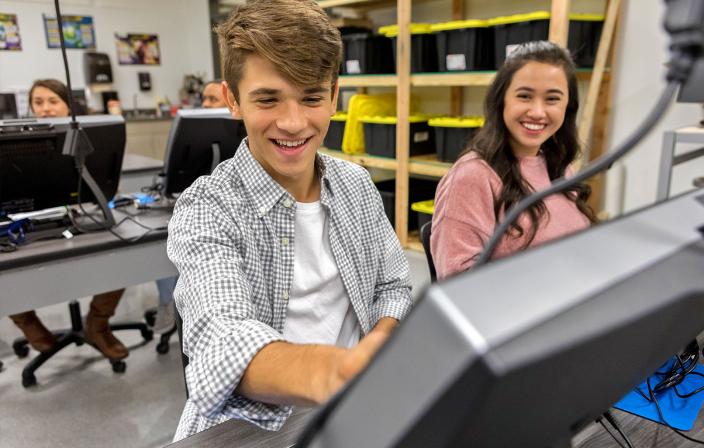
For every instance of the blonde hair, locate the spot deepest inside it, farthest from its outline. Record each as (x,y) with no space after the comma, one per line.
(294,35)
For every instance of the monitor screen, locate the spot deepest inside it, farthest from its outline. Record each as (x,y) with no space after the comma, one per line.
(693,90)
(198,141)
(35,175)
(8,106)
(528,350)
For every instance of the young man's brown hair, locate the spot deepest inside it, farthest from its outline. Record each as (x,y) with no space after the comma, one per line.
(294,35)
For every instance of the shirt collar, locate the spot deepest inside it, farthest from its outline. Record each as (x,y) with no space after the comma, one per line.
(264,190)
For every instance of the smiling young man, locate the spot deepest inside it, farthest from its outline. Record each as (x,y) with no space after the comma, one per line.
(291,276)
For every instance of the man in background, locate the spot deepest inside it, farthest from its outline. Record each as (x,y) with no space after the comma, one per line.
(212,95)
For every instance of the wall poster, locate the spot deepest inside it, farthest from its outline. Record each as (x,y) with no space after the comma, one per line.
(9,33)
(78,32)
(138,49)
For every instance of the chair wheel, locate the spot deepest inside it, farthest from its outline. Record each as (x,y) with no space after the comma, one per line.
(119,366)
(21,350)
(162,347)
(29,380)
(147,335)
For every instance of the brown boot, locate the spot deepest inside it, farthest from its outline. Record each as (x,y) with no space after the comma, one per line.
(34,330)
(98,332)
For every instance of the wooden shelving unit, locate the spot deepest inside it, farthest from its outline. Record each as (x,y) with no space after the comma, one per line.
(592,125)
(365,160)
(368,80)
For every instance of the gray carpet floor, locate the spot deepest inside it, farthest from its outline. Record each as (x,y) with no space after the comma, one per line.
(79,402)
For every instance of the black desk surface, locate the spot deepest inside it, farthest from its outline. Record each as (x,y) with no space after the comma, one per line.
(54,249)
(642,433)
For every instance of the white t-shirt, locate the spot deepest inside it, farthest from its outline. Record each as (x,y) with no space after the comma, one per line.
(319,310)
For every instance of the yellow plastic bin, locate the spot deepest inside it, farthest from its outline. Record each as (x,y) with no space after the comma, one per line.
(464,45)
(425,211)
(380,135)
(333,139)
(452,135)
(424,56)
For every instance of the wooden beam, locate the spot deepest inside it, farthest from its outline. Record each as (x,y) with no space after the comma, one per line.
(602,55)
(457,93)
(559,22)
(403,99)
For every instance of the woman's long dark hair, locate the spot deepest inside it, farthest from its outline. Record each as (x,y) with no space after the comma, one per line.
(492,141)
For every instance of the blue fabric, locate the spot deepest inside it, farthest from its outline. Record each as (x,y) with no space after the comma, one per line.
(680,413)
(166,287)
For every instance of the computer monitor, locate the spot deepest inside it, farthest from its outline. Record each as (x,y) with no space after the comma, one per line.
(198,141)
(35,175)
(693,90)
(8,106)
(528,350)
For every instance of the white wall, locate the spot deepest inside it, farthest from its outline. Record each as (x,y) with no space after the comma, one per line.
(183,27)
(639,79)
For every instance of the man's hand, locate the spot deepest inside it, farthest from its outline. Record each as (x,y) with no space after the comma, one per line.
(349,363)
(294,374)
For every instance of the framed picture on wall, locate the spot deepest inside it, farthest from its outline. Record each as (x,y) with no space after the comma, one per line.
(138,49)
(78,32)
(9,33)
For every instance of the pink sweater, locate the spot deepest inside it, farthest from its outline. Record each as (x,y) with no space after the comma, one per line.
(464,214)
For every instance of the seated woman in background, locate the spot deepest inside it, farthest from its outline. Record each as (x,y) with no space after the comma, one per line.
(49,98)
(529,139)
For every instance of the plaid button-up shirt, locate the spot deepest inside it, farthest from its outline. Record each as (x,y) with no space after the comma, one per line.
(232,239)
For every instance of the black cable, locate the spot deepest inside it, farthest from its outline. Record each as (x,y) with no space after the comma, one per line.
(662,417)
(60,24)
(612,420)
(599,165)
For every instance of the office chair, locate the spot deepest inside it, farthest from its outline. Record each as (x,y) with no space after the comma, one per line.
(163,346)
(425,239)
(64,338)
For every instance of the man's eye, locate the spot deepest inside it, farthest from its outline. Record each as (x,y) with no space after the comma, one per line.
(313,99)
(266,101)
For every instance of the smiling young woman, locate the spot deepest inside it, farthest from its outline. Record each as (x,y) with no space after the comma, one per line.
(529,139)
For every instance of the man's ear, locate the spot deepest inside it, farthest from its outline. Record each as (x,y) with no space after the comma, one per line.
(231,101)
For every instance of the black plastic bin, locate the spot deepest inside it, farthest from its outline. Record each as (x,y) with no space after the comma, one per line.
(418,190)
(424,56)
(583,38)
(452,135)
(367,54)
(336,130)
(380,136)
(517,29)
(424,210)
(464,45)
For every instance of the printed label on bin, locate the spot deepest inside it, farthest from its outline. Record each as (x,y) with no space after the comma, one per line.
(511,48)
(421,136)
(353,66)
(455,62)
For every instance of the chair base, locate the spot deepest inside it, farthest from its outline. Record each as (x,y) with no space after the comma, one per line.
(163,346)
(74,335)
